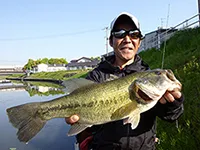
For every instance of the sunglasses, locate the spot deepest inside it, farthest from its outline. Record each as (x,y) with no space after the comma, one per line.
(134,34)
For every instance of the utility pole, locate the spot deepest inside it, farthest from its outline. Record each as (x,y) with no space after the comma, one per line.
(163,57)
(199,10)
(106,37)
(162,20)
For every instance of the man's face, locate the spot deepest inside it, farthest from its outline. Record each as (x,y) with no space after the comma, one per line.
(125,48)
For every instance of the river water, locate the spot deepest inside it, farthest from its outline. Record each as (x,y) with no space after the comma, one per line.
(53,136)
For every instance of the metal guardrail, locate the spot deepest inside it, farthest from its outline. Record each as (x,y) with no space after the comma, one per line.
(165,35)
(173,28)
(182,23)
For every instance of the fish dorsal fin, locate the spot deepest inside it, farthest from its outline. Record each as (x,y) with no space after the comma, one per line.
(112,77)
(77,128)
(134,119)
(73,84)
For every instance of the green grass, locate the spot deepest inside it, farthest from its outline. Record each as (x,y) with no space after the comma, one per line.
(59,75)
(182,55)
(3,77)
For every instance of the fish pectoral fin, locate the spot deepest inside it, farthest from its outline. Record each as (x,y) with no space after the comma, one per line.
(73,84)
(124,111)
(134,119)
(77,128)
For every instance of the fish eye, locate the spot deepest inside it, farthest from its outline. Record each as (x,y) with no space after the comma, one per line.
(158,72)
(170,76)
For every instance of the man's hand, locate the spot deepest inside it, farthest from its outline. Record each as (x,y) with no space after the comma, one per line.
(170,96)
(72,119)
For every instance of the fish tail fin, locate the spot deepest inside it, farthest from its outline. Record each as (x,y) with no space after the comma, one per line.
(25,119)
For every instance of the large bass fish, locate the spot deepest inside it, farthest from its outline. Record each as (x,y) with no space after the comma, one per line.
(96,103)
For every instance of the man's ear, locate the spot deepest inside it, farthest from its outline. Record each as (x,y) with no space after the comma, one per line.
(111,41)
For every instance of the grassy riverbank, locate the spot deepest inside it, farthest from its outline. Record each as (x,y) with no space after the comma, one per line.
(3,77)
(182,55)
(58,75)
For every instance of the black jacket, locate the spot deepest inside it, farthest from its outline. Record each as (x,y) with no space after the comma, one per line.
(115,135)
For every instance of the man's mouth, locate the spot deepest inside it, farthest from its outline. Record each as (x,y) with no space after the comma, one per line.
(126,48)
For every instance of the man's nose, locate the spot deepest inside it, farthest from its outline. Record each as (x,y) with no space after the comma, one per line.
(127,39)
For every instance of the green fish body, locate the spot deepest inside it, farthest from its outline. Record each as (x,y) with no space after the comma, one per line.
(124,98)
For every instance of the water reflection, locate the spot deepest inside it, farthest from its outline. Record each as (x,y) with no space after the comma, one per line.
(43,88)
(52,136)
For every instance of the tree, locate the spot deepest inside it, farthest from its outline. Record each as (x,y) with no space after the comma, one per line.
(45,61)
(31,63)
(95,58)
(57,61)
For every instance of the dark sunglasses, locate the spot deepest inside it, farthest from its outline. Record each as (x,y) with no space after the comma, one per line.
(134,34)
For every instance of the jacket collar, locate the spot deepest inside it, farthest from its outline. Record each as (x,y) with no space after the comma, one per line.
(137,65)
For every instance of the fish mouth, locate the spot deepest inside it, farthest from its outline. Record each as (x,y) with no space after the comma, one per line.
(143,95)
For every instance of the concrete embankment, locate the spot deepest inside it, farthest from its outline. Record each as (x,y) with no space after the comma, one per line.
(40,80)
(5,87)
(8,86)
(4,81)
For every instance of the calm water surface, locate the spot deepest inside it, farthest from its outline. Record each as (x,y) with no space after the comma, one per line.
(53,136)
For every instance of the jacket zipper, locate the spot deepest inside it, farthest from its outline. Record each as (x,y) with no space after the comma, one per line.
(128,138)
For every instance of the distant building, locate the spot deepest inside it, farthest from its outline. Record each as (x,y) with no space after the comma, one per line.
(48,68)
(56,67)
(40,68)
(155,38)
(10,69)
(82,63)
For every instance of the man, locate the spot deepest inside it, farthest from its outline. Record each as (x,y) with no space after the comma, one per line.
(125,39)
